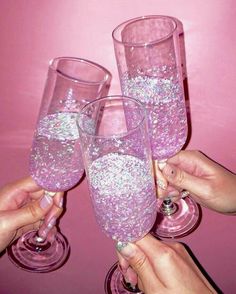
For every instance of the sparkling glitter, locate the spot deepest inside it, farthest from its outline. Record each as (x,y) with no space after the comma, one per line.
(123,196)
(87,124)
(162,95)
(59,126)
(56,162)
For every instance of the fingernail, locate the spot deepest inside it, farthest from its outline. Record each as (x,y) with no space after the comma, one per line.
(49,193)
(185,194)
(125,249)
(161,165)
(161,184)
(43,232)
(45,202)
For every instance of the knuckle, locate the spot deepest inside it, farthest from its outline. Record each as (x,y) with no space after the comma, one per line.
(168,254)
(3,225)
(209,190)
(196,152)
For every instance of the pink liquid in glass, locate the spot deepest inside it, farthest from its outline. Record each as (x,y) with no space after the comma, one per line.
(165,105)
(123,196)
(56,162)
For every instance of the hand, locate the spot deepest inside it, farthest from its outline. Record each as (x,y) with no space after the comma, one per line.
(210,184)
(162,268)
(22,205)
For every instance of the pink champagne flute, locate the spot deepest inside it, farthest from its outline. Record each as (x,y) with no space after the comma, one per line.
(117,157)
(149,64)
(55,161)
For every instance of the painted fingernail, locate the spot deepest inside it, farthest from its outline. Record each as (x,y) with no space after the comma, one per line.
(184,194)
(46,201)
(161,165)
(49,193)
(125,249)
(161,184)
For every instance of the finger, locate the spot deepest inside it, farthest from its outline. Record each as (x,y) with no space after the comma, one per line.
(123,263)
(27,228)
(181,179)
(193,162)
(128,273)
(162,257)
(15,194)
(58,199)
(183,253)
(142,266)
(29,214)
(173,193)
(26,185)
(186,159)
(170,260)
(52,215)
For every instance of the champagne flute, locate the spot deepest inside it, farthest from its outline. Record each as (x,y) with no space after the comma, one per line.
(117,158)
(55,161)
(149,64)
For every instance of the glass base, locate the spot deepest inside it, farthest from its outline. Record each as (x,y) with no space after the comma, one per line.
(115,284)
(39,257)
(183,221)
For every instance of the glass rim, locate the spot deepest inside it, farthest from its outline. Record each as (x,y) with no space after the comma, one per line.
(140,18)
(113,97)
(107,74)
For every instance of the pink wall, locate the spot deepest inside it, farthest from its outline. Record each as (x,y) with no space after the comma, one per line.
(33,32)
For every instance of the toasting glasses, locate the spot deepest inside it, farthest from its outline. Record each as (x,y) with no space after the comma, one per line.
(55,160)
(149,65)
(117,158)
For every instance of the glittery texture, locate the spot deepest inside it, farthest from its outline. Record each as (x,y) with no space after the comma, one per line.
(120,245)
(184,194)
(56,162)
(59,126)
(123,195)
(162,95)
(161,184)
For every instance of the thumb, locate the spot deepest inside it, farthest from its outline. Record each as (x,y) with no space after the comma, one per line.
(30,213)
(181,179)
(141,265)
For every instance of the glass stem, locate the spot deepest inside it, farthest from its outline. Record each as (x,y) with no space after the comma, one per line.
(168,207)
(36,243)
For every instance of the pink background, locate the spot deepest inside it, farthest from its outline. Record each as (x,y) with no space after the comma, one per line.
(32,33)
